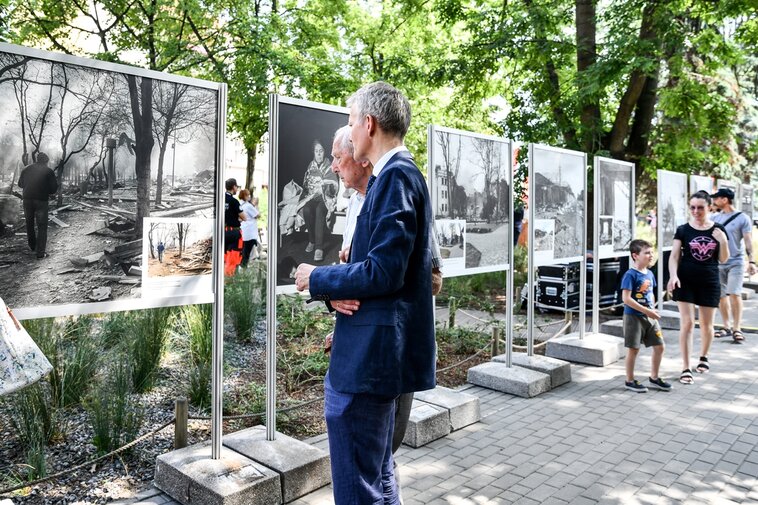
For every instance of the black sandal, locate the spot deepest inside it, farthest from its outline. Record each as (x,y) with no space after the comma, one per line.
(703,366)
(722,332)
(686,377)
(738,337)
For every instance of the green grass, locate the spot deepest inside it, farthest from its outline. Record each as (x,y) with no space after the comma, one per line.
(197,329)
(245,299)
(149,336)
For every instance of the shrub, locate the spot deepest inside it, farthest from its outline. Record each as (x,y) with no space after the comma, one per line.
(244,299)
(249,400)
(149,337)
(116,328)
(114,416)
(461,340)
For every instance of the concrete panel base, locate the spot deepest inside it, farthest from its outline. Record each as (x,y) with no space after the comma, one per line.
(426,423)
(614,327)
(747,293)
(559,371)
(595,349)
(463,408)
(301,467)
(751,285)
(514,380)
(669,319)
(191,477)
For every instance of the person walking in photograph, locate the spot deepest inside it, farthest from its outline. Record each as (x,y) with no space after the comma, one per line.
(160,249)
(38,182)
(699,246)
(732,273)
(386,347)
(640,318)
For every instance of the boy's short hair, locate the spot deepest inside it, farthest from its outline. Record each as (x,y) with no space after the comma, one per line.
(637,246)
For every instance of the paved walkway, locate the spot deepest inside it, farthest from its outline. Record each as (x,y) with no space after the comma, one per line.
(591,441)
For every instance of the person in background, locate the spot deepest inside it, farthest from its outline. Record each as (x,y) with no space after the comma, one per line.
(248,227)
(699,246)
(233,217)
(38,182)
(732,273)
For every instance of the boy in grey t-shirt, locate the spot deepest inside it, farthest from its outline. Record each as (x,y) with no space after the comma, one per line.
(731,273)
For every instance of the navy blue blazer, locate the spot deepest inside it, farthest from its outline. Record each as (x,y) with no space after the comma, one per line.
(387,346)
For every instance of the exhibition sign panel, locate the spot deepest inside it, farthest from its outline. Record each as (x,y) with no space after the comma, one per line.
(746,200)
(470,184)
(310,200)
(701,183)
(557,187)
(672,206)
(134,156)
(615,207)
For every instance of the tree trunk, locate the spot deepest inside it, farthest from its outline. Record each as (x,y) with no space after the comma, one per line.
(252,152)
(637,145)
(159,182)
(586,56)
(142,111)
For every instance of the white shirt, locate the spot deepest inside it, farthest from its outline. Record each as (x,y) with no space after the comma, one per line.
(385,158)
(354,206)
(249,227)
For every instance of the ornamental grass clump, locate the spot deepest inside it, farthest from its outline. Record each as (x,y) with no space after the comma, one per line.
(149,335)
(244,299)
(197,322)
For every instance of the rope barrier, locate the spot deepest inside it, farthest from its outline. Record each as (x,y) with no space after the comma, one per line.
(259,414)
(88,463)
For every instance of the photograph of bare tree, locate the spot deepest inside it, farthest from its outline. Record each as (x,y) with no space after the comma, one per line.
(557,191)
(616,206)
(89,151)
(672,206)
(470,181)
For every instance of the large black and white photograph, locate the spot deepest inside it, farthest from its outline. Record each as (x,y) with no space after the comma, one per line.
(616,206)
(557,191)
(88,153)
(701,183)
(746,200)
(469,180)
(310,221)
(672,206)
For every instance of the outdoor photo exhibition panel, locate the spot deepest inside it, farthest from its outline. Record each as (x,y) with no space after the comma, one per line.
(746,200)
(614,215)
(734,186)
(307,207)
(701,183)
(135,153)
(469,179)
(470,184)
(310,200)
(672,213)
(557,219)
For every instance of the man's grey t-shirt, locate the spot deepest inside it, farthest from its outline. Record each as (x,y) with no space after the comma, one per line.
(735,229)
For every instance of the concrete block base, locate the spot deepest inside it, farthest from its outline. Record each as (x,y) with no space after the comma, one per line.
(426,423)
(614,327)
(747,293)
(514,380)
(751,285)
(559,371)
(302,468)
(669,319)
(191,477)
(595,349)
(463,408)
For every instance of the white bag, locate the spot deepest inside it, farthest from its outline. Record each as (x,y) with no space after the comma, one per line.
(21,361)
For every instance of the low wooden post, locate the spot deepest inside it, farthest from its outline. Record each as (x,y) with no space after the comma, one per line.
(495,341)
(452,308)
(181,411)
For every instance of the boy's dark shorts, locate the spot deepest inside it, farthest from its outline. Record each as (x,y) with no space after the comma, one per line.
(641,329)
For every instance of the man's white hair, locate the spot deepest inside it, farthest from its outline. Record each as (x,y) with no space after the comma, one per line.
(342,138)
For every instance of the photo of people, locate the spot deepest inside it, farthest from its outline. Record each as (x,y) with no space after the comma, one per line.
(557,189)
(309,217)
(616,206)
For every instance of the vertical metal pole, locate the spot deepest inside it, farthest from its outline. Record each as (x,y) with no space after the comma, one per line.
(217,371)
(659,239)
(273,147)
(596,245)
(530,260)
(583,262)
(509,279)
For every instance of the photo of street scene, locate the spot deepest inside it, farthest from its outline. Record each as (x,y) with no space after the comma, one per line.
(544,240)
(470,185)
(616,206)
(557,192)
(87,155)
(310,219)
(450,237)
(672,205)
